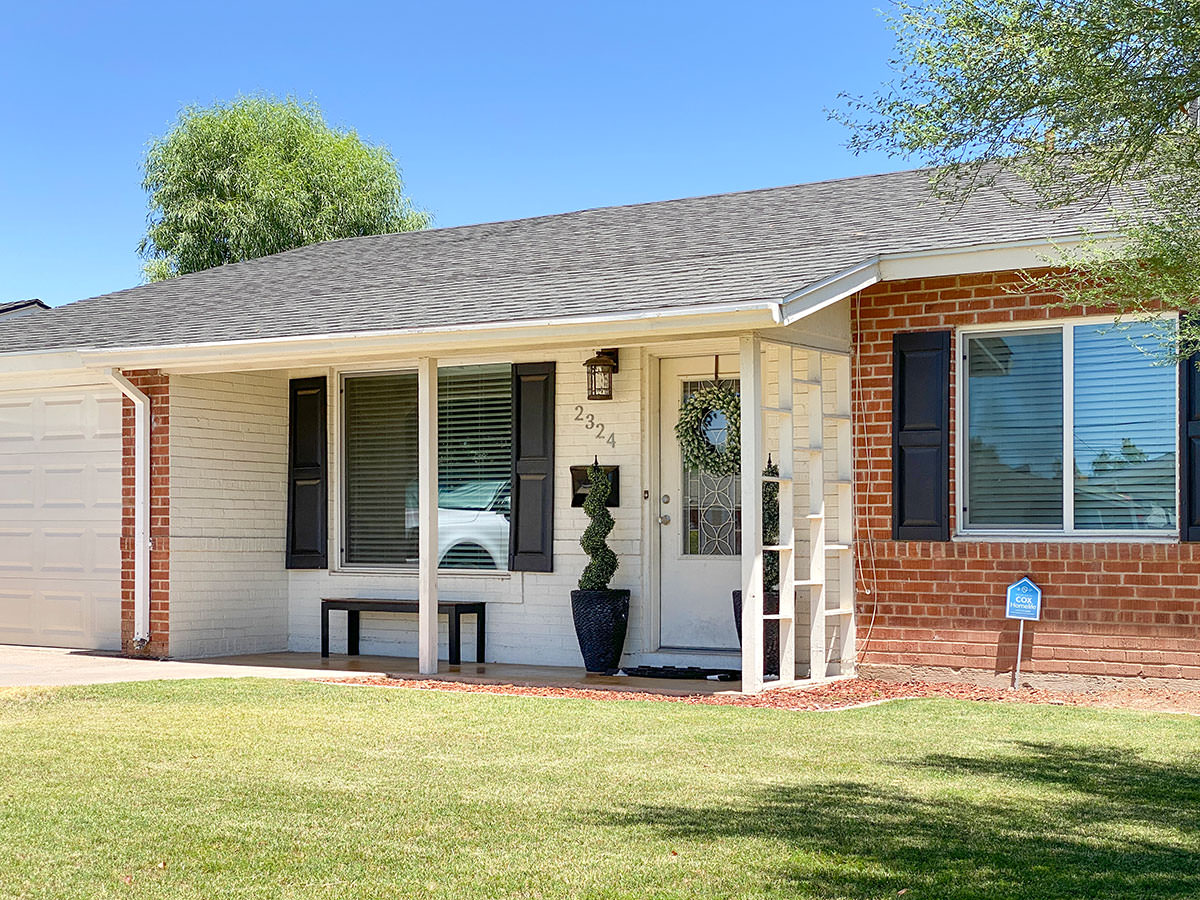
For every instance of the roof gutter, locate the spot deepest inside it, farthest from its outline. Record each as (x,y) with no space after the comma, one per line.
(141,505)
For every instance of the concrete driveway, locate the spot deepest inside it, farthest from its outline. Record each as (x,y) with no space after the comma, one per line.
(27,666)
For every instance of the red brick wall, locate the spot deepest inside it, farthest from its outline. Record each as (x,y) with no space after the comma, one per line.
(154,385)
(1109,608)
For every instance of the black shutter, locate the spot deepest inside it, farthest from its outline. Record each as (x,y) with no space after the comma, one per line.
(1189,449)
(531,537)
(921,436)
(307,524)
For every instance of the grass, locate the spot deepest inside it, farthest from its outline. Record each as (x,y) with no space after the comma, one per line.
(257,789)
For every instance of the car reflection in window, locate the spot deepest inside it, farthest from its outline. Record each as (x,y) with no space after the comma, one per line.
(473,522)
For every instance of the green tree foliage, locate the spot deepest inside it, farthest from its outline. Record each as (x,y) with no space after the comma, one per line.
(602,562)
(1131,455)
(257,176)
(1080,99)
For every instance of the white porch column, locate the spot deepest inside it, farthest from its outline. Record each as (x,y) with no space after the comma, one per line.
(752,525)
(427,479)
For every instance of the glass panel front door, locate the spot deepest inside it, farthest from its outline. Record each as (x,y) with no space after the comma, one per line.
(699,528)
(710,504)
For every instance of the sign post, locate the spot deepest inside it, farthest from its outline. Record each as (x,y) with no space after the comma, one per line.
(1023,601)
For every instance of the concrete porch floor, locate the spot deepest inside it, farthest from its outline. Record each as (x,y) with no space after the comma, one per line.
(49,666)
(311,665)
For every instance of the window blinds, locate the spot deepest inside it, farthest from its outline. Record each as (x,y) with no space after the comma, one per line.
(381,469)
(474,426)
(1015,430)
(1124,431)
(474,461)
(1122,415)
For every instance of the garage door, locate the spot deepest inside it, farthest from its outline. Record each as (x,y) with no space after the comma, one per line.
(60,519)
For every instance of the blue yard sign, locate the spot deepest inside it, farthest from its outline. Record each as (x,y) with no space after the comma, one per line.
(1024,601)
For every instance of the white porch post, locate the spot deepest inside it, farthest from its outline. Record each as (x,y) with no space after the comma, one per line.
(752,525)
(427,480)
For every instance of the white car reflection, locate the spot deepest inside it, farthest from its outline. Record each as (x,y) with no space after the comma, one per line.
(472,523)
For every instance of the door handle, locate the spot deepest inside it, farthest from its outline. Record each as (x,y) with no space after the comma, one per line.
(664,519)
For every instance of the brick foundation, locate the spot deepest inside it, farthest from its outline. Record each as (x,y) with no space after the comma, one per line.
(1111,608)
(155,385)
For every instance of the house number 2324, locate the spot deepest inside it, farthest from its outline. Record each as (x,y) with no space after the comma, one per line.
(590,423)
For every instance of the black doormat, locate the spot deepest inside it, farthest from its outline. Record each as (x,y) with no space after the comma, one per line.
(694,673)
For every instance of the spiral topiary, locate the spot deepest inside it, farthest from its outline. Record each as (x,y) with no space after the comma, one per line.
(603,563)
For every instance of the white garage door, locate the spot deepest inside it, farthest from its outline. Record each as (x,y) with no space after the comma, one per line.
(60,518)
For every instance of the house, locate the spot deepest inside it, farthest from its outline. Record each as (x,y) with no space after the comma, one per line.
(188,467)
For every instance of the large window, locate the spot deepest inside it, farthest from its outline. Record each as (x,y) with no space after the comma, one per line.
(1080,398)
(474,468)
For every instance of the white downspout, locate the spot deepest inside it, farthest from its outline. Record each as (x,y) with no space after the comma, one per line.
(141,506)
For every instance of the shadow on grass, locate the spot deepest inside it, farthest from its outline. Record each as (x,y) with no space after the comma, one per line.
(1098,822)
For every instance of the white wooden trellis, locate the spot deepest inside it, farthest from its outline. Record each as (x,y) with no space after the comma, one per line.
(795,460)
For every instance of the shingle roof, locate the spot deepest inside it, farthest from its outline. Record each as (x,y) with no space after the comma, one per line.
(21,306)
(756,245)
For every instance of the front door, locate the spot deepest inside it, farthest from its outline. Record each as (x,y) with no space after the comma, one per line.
(699,523)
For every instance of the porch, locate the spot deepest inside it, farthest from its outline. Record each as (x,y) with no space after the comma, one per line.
(361,522)
(305,665)
(54,666)
(788,530)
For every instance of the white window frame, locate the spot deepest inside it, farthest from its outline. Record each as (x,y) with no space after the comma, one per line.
(340,475)
(1066,327)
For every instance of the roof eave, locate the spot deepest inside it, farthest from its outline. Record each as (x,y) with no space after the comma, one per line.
(733,316)
(321,349)
(964,260)
(43,370)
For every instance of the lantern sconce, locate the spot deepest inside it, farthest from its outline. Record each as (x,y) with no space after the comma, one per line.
(600,371)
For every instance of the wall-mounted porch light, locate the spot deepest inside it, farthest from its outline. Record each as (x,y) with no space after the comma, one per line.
(600,369)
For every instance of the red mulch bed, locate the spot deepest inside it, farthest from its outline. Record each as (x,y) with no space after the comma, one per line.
(833,696)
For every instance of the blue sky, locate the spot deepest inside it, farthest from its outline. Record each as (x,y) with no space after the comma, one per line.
(494,110)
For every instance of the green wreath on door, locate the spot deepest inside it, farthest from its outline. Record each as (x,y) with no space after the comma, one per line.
(695,420)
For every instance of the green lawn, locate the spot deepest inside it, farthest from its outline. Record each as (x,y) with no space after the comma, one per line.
(246,789)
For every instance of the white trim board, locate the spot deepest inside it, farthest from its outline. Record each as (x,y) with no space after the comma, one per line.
(445,342)
(926,264)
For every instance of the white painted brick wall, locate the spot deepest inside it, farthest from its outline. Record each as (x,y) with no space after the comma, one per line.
(228,506)
(529,614)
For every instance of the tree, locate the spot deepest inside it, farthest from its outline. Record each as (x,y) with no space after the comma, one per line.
(1080,100)
(257,176)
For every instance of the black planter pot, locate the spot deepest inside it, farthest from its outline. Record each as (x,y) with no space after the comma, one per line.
(770,629)
(601,618)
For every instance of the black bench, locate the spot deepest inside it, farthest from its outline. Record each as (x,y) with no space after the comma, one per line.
(454,610)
